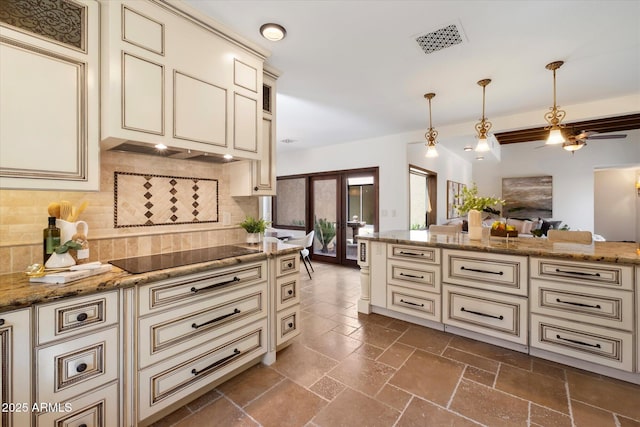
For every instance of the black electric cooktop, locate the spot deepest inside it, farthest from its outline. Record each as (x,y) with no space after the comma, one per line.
(144,264)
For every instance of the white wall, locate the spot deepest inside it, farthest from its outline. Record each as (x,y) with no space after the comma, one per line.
(573,175)
(615,203)
(392,155)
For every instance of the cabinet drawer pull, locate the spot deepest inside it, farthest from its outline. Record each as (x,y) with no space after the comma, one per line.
(411,253)
(290,324)
(82,425)
(412,276)
(578,273)
(578,342)
(82,317)
(81,367)
(290,265)
(215,285)
(236,352)
(1,322)
(579,304)
(477,270)
(290,292)
(501,317)
(411,303)
(217,319)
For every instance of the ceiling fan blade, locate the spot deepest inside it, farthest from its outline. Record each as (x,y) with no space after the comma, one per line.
(618,136)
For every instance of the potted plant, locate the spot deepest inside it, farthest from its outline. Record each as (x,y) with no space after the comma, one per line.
(325,232)
(254,228)
(472,206)
(61,256)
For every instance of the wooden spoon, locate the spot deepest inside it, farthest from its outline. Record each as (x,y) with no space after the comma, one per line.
(81,209)
(65,210)
(54,209)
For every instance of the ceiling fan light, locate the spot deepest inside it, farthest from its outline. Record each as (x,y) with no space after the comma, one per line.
(573,146)
(483,145)
(431,152)
(555,136)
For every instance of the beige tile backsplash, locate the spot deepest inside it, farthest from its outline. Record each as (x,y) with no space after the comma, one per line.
(23,215)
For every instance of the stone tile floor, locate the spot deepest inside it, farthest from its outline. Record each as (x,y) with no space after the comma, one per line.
(349,369)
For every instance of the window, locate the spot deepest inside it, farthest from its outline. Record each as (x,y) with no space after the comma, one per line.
(291,202)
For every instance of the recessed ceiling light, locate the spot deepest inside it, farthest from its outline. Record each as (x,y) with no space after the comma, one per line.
(468,148)
(273,32)
(161,146)
(228,156)
(480,158)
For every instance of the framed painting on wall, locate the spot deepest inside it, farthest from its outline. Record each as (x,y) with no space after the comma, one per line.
(528,197)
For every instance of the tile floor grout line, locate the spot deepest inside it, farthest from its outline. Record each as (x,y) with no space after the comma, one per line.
(495,379)
(242,410)
(569,405)
(455,389)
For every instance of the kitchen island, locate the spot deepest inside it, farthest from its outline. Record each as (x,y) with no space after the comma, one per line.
(126,349)
(573,303)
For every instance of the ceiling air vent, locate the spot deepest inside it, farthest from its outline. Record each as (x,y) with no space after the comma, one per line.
(439,39)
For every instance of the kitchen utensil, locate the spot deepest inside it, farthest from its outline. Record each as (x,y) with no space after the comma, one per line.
(35,270)
(65,210)
(54,209)
(77,212)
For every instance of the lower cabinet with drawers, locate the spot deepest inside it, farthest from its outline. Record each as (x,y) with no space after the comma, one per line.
(77,361)
(287,300)
(195,329)
(583,310)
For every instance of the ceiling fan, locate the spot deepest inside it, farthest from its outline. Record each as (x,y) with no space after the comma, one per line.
(575,141)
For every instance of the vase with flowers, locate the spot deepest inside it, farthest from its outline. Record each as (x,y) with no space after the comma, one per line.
(473,206)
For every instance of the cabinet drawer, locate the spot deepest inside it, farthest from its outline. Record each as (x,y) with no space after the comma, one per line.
(165,383)
(287,324)
(496,272)
(287,264)
(421,277)
(490,313)
(586,342)
(169,333)
(414,253)
(74,316)
(604,307)
(187,289)
(71,368)
(583,273)
(287,291)
(416,303)
(96,409)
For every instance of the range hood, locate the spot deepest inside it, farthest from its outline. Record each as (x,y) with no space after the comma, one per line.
(170,152)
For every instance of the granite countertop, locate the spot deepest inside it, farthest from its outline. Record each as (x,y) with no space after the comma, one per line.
(614,252)
(17,292)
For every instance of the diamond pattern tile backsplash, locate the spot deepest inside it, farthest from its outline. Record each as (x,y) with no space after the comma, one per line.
(143,200)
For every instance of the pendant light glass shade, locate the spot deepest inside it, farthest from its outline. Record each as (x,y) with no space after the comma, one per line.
(484,125)
(431,133)
(555,116)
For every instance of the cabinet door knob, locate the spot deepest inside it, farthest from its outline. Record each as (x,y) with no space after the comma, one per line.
(82,317)
(1,322)
(290,265)
(81,367)
(290,292)
(82,425)
(255,188)
(290,324)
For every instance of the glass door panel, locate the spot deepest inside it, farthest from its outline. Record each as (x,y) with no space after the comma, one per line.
(325,209)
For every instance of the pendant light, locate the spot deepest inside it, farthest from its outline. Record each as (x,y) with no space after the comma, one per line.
(484,125)
(555,116)
(431,133)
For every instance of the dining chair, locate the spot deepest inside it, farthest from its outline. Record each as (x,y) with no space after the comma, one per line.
(566,236)
(306,242)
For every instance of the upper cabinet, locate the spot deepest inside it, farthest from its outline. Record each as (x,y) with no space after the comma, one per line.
(171,75)
(258,177)
(50,94)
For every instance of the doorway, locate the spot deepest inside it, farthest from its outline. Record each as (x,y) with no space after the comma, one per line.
(339,205)
(423,200)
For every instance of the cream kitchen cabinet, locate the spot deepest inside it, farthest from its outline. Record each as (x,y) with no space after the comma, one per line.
(258,177)
(193,331)
(287,299)
(15,350)
(584,310)
(486,293)
(77,361)
(171,75)
(414,281)
(50,102)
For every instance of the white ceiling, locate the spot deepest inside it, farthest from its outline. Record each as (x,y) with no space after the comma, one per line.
(352,69)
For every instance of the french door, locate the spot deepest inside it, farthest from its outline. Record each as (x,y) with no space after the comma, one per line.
(342,204)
